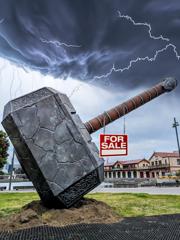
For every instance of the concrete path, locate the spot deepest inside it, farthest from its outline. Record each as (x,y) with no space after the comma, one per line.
(150,190)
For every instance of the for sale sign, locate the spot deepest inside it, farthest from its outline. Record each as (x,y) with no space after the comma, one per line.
(113,145)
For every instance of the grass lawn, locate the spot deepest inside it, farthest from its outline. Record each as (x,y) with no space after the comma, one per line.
(125,204)
(140,204)
(12,202)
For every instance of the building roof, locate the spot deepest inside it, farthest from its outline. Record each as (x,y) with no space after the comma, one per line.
(165,154)
(156,154)
(133,161)
(125,162)
(109,164)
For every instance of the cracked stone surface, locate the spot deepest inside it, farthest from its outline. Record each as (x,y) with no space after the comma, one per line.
(53,146)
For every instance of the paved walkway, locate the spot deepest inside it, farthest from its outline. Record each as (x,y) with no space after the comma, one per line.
(150,190)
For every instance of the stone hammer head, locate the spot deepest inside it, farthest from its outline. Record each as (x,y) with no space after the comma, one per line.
(53,146)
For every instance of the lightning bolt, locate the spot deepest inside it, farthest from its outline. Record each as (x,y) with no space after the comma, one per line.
(11,85)
(138,59)
(1,69)
(76,89)
(127,17)
(24,68)
(59,44)
(19,87)
(3,66)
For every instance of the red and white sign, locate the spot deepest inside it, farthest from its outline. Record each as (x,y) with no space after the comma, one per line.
(113,145)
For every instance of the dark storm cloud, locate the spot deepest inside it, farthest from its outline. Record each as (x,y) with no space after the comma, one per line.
(91,38)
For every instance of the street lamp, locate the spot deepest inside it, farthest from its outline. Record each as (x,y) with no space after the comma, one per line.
(175,125)
(12,168)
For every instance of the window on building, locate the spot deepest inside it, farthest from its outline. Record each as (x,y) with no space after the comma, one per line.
(147,174)
(178,161)
(118,166)
(119,175)
(165,161)
(124,174)
(152,163)
(129,174)
(141,175)
(156,162)
(153,175)
(144,165)
(160,162)
(114,174)
(109,174)
(105,174)
(163,173)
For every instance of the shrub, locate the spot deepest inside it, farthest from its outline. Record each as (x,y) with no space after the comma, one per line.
(4,145)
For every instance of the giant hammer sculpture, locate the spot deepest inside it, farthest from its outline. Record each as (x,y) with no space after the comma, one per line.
(54,147)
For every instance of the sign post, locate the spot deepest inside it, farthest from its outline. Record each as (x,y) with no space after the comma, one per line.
(113,145)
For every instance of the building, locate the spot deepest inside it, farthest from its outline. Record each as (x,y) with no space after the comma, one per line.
(163,163)
(159,164)
(128,169)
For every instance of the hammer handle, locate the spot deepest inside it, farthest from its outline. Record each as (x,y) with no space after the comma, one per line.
(117,112)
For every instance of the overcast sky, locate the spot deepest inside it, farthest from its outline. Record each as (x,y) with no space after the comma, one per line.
(74,45)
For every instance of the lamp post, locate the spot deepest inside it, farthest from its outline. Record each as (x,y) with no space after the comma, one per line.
(175,125)
(12,167)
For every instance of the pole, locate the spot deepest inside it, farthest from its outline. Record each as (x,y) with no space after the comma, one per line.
(12,167)
(124,126)
(175,125)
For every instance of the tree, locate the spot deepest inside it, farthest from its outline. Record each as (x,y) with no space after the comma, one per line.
(4,145)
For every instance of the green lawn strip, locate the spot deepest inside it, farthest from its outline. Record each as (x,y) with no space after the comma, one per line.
(12,202)
(125,204)
(133,205)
